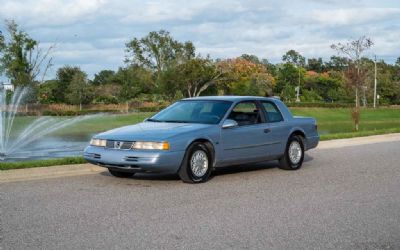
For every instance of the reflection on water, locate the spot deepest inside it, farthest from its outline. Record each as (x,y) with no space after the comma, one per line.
(52,147)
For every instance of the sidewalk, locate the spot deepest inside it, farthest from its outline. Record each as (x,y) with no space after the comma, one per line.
(83,169)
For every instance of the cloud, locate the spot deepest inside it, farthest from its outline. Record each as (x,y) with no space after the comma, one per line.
(49,12)
(92,33)
(354,16)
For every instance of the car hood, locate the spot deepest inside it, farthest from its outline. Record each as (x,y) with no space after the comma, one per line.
(152,131)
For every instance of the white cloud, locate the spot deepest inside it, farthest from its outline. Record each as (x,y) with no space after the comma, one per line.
(92,33)
(353,16)
(49,12)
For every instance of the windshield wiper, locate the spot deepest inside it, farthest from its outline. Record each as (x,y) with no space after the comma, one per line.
(176,121)
(153,120)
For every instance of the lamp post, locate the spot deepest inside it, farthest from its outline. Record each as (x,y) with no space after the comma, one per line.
(375,83)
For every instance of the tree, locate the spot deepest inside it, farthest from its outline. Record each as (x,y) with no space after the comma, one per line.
(64,78)
(355,74)
(294,57)
(21,57)
(316,65)
(288,77)
(103,77)
(337,63)
(157,51)
(197,75)
(134,80)
(46,92)
(242,77)
(354,51)
(251,58)
(398,62)
(78,91)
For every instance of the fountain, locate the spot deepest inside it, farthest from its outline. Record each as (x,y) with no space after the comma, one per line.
(10,142)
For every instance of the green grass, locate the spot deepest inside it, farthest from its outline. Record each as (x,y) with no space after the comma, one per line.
(336,123)
(41,163)
(333,123)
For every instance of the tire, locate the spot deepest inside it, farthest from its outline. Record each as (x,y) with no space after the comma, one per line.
(196,166)
(293,163)
(120,174)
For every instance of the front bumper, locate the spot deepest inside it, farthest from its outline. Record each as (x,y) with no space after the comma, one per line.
(135,160)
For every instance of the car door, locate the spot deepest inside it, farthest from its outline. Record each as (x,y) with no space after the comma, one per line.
(246,142)
(278,129)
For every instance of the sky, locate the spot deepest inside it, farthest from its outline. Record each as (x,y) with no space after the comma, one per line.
(92,34)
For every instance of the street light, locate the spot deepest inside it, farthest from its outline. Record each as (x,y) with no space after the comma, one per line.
(297,89)
(375,83)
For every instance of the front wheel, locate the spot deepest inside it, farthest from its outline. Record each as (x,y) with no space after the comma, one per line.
(196,165)
(294,154)
(120,174)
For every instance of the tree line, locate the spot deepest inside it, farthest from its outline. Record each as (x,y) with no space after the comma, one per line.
(158,67)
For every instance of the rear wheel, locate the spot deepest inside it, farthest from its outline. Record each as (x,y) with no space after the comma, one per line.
(120,174)
(196,165)
(294,154)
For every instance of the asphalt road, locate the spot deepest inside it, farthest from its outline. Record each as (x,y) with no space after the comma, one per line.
(342,198)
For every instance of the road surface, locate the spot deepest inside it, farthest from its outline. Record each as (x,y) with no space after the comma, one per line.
(342,198)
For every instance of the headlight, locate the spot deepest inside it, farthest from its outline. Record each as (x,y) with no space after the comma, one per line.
(98,142)
(150,145)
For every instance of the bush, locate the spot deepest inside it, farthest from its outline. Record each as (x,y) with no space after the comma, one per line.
(320,104)
(151,109)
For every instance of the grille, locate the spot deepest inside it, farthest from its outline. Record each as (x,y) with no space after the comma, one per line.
(119,144)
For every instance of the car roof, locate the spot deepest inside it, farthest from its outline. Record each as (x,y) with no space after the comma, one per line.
(232,98)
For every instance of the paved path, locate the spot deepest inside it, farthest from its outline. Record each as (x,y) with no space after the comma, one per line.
(342,198)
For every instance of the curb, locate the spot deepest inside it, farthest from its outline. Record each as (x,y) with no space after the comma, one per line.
(28,174)
(340,143)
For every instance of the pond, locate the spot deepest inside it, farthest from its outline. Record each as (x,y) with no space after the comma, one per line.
(68,141)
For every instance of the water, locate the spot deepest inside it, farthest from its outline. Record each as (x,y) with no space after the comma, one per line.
(32,141)
(51,147)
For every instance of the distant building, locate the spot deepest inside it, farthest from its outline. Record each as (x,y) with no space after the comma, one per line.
(7,86)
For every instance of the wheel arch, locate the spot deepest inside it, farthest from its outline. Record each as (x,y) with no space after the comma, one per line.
(299,132)
(208,144)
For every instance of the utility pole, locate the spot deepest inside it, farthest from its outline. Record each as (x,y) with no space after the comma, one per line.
(375,82)
(298,88)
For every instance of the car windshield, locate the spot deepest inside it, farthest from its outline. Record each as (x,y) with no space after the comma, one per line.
(193,111)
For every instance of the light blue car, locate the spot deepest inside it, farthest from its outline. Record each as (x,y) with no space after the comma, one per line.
(196,135)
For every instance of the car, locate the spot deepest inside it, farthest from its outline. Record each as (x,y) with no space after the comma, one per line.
(194,136)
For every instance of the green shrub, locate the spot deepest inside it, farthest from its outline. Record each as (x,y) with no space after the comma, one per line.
(320,104)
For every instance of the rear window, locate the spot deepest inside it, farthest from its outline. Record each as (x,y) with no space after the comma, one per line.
(273,113)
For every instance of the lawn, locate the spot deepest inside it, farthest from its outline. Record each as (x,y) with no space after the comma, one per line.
(336,123)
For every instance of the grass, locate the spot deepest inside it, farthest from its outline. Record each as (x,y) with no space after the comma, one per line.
(41,163)
(333,123)
(336,123)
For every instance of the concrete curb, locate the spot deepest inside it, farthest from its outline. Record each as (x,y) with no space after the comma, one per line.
(26,174)
(83,169)
(339,143)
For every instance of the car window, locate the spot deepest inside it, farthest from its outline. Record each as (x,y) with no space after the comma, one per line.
(193,111)
(245,113)
(273,113)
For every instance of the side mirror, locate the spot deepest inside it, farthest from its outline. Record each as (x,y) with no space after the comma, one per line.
(228,123)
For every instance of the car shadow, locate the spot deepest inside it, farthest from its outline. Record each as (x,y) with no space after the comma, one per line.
(233,169)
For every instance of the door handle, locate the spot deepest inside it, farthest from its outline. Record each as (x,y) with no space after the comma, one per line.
(267,130)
